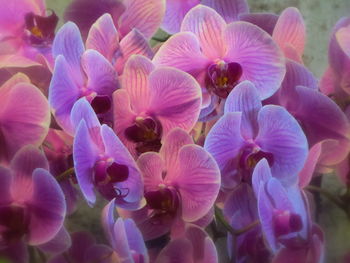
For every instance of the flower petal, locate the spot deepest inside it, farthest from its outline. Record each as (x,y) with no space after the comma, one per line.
(261,175)
(281,135)
(266,21)
(83,111)
(103,37)
(261,59)
(47,207)
(208,26)
(228,9)
(145,15)
(58,244)
(245,98)
(151,165)
(290,30)
(135,239)
(5,184)
(170,253)
(343,37)
(174,92)
(198,181)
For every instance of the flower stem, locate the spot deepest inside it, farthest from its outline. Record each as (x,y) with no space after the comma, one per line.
(331,197)
(65,175)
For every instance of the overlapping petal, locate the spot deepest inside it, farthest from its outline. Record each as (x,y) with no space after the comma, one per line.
(228,9)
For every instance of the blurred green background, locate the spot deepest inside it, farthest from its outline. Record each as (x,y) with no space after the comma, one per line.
(320,16)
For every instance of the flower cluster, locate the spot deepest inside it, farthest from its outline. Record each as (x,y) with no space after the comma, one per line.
(216,132)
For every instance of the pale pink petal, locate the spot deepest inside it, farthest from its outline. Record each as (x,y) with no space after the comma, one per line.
(103,37)
(146,16)
(208,26)
(151,165)
(290,30)
(343,37)
(228,9)
(261,59)
(133,43)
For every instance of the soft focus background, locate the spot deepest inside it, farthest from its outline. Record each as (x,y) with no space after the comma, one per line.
(320,16)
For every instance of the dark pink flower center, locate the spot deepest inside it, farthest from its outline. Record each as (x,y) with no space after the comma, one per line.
(41,29)
(146,133)
(14,222)
(223,77)
(164,201)
(110,173)
(285,222)
(101,104)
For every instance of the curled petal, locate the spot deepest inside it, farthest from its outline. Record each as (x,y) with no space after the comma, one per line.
(83,111)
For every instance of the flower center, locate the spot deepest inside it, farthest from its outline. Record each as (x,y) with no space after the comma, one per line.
(101,104)
(223,77)
(107,172)
(146,133)
(285,222)
(163,201)
(40,29)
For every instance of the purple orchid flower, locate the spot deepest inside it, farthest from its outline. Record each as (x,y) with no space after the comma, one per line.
(182,182)
(32,206)
(27,32)
(152,102)
(220,55)
(124,237)
(249,132)
(194,246)
(79,73)
(144,15)
(101,161)
(177,9)
(21,123)
(105,38)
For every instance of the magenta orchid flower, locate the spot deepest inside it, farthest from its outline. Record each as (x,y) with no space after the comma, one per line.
(144,15)
(152,102)
(177,9)
(249,132)
(182,182)
(194,246)
(221,55)
(79,73)
(266,21)
(101,161)
(124,237)
(27,31)
(21,123)
(32,203)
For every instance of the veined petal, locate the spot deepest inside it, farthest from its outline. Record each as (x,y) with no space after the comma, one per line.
(290,30)
(261,175)
(228,9)
(103,37)
(245,98)
(133,43)
(198,181)
(135,81)
(174,92)
(135,239)
(208,26)
(151,165)
(260,58)
(47,208)
(145,15)
(266,21)
(68,43)
(281,135)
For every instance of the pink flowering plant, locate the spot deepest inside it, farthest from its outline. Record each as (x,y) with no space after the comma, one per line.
(210,144)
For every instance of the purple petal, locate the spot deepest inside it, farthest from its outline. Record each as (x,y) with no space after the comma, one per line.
(152,166)
(208,26)
(60,243)
(85,155)
(63,93)
(108,219)
(261,175)
(224,142)
(170,253)
(228,9)
(146,16)
(83,111)
(281,135)
(135,239)
(47,207)
(135,81)
(101,253)
(261,59)
(172,93)
(69,44)
(103,37)
(81,242)
(198,181)
(266,21)
(121,240)
(15,253)
(290,30)
(5,184)
(245,98)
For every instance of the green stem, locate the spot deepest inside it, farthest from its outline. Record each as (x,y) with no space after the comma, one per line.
(160,39)
(66,174)
(331,197)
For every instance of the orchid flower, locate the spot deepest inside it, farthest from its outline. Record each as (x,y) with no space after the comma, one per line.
(26,33)
(177,9)
(152,102)
(144,15)
(24,116)
(182,182)
(32,203)
(124,237)
(249,132)
(221,55)
(79,73)
(101,161)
